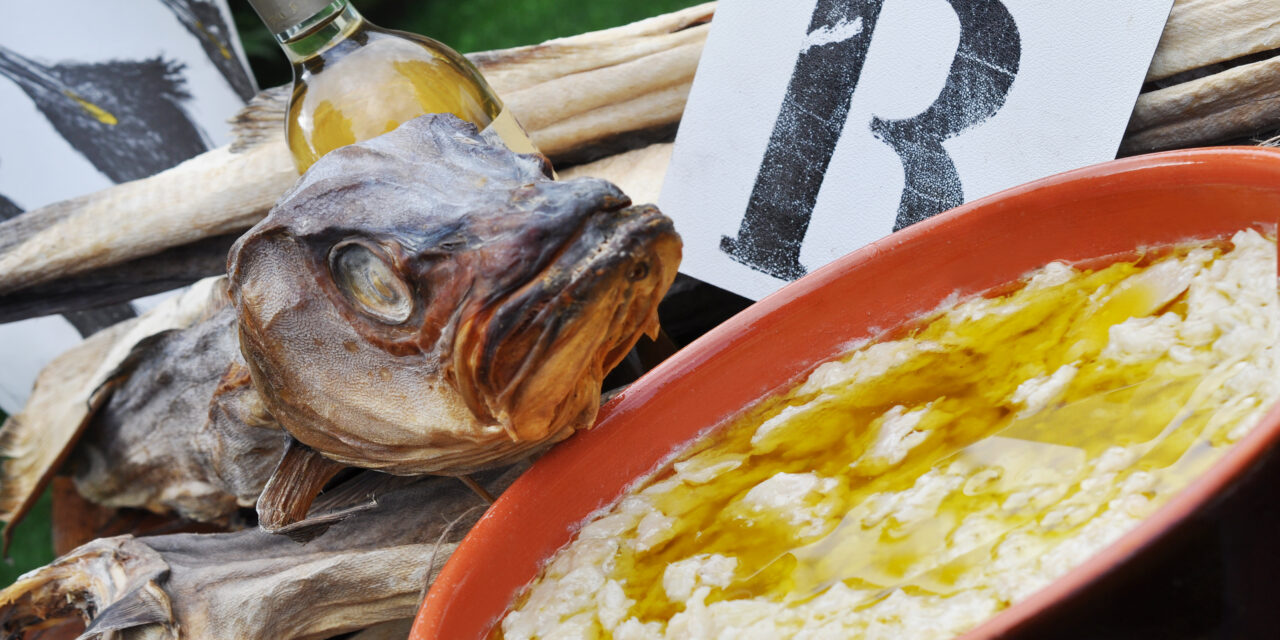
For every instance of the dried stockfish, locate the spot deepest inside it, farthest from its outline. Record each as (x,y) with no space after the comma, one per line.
(158,443)
(466,324)
(581,96)
(365,570)
(1214,77)
(1204,32)
(215,193)
(431,302)
(73,387)
(37,439)
(627,84)
(1238,102)
(164,271)
(638,172)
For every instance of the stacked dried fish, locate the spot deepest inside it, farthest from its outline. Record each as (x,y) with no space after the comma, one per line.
(370,567)
(1215,77)
(424,302)
(582,98)
(1213,80)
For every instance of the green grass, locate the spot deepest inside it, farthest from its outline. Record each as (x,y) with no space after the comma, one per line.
(32,540)
(474,25)
(478,25)
(32,543)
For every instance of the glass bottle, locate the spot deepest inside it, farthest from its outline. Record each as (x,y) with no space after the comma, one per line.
(353,81)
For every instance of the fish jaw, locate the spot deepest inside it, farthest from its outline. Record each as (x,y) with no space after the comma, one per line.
(534,363)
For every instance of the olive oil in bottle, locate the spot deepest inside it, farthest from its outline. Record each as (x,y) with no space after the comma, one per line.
(353,81)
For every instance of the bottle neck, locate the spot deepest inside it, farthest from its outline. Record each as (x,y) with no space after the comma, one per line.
(306,28)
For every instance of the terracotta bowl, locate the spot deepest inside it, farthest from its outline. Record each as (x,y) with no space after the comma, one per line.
(1104,210)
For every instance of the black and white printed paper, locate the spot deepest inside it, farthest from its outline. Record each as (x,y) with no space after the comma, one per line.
(818,126)
(96,93)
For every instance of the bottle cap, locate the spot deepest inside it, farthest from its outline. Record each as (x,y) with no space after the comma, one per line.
(282,16)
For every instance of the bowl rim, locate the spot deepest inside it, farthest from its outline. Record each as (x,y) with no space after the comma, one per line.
(1236,462)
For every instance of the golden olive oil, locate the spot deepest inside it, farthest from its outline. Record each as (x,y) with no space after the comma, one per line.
(953,467)
(966,384)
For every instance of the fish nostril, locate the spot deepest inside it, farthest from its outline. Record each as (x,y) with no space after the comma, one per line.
(638,271)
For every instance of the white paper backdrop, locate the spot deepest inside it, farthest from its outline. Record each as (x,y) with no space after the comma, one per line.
(1081,66)
(38,166)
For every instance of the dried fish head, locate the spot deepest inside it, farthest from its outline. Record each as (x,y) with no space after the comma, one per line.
(429,301)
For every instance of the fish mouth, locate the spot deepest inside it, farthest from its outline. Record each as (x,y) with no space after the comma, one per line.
(535,362)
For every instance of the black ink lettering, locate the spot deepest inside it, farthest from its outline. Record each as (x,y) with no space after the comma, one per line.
(804,137)
(816,106)
(981,75)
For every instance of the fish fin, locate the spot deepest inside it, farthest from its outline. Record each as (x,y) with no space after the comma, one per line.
(117,576)
(346,496)
(146,605)
(475,487)
(293,486)
(305,531)
(38,439)
(261,120)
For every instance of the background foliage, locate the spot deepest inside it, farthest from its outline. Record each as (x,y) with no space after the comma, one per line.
(471,25)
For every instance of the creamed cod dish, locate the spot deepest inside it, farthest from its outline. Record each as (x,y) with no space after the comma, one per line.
(916,486)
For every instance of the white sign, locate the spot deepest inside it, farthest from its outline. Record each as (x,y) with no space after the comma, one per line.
(817,126)
(95,93)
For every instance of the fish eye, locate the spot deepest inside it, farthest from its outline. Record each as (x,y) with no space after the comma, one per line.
(638,271)
(365,277)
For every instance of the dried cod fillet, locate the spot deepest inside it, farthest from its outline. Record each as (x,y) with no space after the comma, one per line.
(371,568)
(1204,32)
(639,172)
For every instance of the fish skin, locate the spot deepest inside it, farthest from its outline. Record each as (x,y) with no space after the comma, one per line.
(526,291)
(175,437)
(47,255)
(72,390)
(145,435)
(365,569)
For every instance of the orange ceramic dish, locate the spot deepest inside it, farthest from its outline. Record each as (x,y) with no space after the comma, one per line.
(1081,216)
